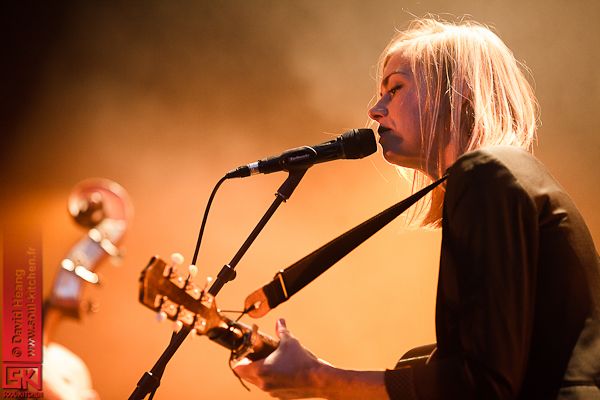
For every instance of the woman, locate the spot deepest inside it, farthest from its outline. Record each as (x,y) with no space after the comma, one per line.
(518,303)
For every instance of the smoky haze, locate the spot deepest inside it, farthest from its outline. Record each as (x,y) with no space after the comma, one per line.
(165,97)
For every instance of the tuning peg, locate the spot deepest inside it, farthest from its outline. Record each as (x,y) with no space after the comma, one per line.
(177,325)
(87,275)
(200,325)
(161,316)
(189,285)
(95,235)
(179,281)
(109,247)
(209,279)
(207,301)
(68,264)
(177,259)
(193,290)
(171,270)
(170,308)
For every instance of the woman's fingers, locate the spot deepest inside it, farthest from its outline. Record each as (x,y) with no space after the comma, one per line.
(283,332)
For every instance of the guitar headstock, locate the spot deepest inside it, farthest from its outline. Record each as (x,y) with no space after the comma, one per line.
(165,290)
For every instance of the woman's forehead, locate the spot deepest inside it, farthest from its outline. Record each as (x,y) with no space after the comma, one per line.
(396,63)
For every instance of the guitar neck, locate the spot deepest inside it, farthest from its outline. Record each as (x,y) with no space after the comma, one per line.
(244,341)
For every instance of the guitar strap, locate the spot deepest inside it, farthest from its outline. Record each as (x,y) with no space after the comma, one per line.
(289,281)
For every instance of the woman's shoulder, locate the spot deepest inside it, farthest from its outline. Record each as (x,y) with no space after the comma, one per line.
(488,163)
(500,172)
(495,157)
(499,169)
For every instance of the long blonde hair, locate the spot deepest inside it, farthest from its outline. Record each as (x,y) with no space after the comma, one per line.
(471,92)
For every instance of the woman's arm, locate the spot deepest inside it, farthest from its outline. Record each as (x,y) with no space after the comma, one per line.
(293,372)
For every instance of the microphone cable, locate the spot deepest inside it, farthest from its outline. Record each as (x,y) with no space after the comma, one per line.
(203,225)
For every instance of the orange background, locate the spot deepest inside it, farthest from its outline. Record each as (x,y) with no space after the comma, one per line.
(165,98)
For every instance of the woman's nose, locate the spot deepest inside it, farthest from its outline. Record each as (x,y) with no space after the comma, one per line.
(379,110)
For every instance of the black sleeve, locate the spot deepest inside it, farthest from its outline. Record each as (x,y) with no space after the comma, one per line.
(486,290)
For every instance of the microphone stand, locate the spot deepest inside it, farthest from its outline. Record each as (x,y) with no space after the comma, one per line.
(150,381)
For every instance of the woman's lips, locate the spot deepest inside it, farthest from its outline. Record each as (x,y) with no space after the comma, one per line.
(388,138)
(383,131)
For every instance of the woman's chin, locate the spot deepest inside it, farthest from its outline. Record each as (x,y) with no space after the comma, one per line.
(395,159)
(400,161)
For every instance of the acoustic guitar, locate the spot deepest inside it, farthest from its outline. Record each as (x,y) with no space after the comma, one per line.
(166,289)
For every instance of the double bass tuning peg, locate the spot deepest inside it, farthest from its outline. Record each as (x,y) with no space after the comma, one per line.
(109,247)
(104,207)
(87,208)
(95,199)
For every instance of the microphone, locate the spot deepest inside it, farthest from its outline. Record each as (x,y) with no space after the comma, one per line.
(356,143)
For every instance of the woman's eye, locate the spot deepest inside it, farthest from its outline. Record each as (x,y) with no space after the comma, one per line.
(393,90)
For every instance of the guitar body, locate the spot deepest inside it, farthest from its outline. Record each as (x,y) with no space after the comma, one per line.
(417,356)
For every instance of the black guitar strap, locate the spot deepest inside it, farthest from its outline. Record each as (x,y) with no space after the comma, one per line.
(289,281)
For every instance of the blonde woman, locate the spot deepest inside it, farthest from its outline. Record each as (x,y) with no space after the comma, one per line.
(518,303)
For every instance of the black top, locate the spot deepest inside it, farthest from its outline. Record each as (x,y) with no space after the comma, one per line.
(518,303)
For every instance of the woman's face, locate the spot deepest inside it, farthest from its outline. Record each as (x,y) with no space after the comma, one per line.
(397,113)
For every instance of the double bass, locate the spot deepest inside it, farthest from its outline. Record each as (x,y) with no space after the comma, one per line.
(102,207)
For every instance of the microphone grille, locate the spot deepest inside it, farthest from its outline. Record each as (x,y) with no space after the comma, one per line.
(358,143)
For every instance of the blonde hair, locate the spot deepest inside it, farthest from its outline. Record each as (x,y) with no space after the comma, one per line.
(471,93)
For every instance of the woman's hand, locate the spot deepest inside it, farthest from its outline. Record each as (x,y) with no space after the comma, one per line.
(290,372)
(293,372)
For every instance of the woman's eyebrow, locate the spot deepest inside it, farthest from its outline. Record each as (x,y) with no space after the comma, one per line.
(385,80)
